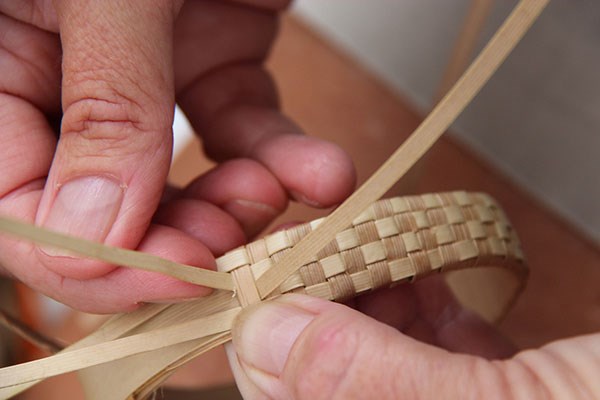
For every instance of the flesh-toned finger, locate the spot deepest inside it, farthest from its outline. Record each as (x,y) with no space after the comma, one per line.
(115,144)
(232,102)
(204,221)
(125,289)
(455,327)
(306,348)
(428,311)
(244,189)
(39,13)
(29,88)
(313,171)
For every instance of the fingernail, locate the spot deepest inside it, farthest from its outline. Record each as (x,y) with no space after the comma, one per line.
(84,207)
(177,300)
(304,199)
(252,215)
(264,336)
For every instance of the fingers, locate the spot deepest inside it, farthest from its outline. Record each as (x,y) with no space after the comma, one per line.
(566,369)
(305,348)
(188,229)
(232,102)
(313,171)
(29,58)
(429,312)
(244,189)
(205,219)
(226,206)
(115,144)
(27,148)
(125,289)
(456,328)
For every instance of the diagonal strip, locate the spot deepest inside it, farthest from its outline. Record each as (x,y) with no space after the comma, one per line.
(118,256)
(442,116)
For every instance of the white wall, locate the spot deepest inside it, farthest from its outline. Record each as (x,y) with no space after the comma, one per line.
(539,117)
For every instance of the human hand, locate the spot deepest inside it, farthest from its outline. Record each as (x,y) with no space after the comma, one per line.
(298,347)
(102,174)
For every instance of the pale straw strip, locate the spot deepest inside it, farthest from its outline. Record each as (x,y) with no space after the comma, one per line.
(505,39)
(118,256)
(113,350)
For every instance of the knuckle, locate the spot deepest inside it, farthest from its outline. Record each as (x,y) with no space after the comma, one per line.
(109,123)
(86,114)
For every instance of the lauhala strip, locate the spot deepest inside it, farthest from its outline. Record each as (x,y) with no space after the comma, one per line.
(436,123)
(115,255)
(202,346)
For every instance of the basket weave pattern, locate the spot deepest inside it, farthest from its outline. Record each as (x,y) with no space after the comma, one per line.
(395,240)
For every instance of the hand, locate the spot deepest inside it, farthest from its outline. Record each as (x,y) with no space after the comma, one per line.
(102,174)
(297,347)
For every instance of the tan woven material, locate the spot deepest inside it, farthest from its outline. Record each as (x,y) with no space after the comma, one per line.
(394,241)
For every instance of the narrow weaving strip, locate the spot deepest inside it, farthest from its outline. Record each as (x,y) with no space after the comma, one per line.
(115,255)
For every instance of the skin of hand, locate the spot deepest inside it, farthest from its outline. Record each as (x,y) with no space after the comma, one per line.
(111,72)
(408,342)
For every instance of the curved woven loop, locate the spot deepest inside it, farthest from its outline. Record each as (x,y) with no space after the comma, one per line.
(395,240)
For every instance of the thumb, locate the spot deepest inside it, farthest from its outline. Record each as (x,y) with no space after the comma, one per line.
(115,143)
(298,347)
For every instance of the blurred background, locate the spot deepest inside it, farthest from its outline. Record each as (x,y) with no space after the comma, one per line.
(364,74)
(538,119)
